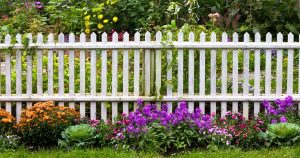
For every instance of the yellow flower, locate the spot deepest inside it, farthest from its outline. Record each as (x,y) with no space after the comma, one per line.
(87,31)
(115,19)
(105,21)
(87,24)
(87,18)
(100,16)
(100,26)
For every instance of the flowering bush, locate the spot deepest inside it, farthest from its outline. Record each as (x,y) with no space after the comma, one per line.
(6,121)
(149,128)
(281,111)
(233,129)
(42,124)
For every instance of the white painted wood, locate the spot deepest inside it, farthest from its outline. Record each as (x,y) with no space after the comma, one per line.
(29,72)
(8,74)
(246,78)
(115,76)
(213,75)
(82,75)
(224,75)
(93,77)
(158,68)
(202,72)
(61,89)
(18,78)
(279,67)
(104,77)
(136,68)
(257,75)
(290,66)
(71,70)
(191,72)
(268,74)
(39,66)
(299,78)
(180,68)
(235,72)
(169,73)
(50,66)
(125,74)
(147,65)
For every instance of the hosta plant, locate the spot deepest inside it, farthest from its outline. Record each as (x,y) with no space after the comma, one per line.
(281,134)
(82,135)
(42,124)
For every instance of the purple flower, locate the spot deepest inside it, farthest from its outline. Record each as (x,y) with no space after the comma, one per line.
(266,104)
(140,102)
(273,121)
(283,119)
(37,3)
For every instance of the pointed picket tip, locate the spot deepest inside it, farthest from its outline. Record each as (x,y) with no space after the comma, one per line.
(7,39)
(50,38)
(279,37)
(93,37)
(224,37)
(246,37)
(290,37)
(126,37)
(202,37)
(213,37)
(71,37)
(19,38)
(191,37)
(147,36)
(257,37)
(235,37)
(269,37)
(82,37)
(180,36)
(61,38)
(158,36)
(40,38)
(137,37)
(169,35)
(115,37)
(104,37)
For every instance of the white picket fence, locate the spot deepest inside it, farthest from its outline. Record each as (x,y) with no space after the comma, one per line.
(148,60)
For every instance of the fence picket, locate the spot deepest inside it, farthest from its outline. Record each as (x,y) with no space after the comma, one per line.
(136,68)
(18,78)
(268,75)
(257,75)
(290,66)
(104,77)
(213,75)
(235,73)
(279,67)
(224,75)
(169,73)
(191,72)
(246,78)
(158,68)
(202,73)
(93,77)
(50,66)
(71,70)
(114,75)
(147,65)
(125,74)
(8,74)
(299,78)
(180,68)
(61,89)
(39,66)
(82,75)
(29,72)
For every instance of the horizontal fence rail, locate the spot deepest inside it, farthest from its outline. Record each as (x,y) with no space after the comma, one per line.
(103,76)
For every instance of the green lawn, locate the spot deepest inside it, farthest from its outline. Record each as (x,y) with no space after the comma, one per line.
(288,152)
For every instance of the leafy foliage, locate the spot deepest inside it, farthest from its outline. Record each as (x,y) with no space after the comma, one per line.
(82,135)
(7,122)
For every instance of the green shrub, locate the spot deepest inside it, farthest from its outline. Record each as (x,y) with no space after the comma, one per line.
(6,122)
(78,136)
(281,134)
(9,142)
